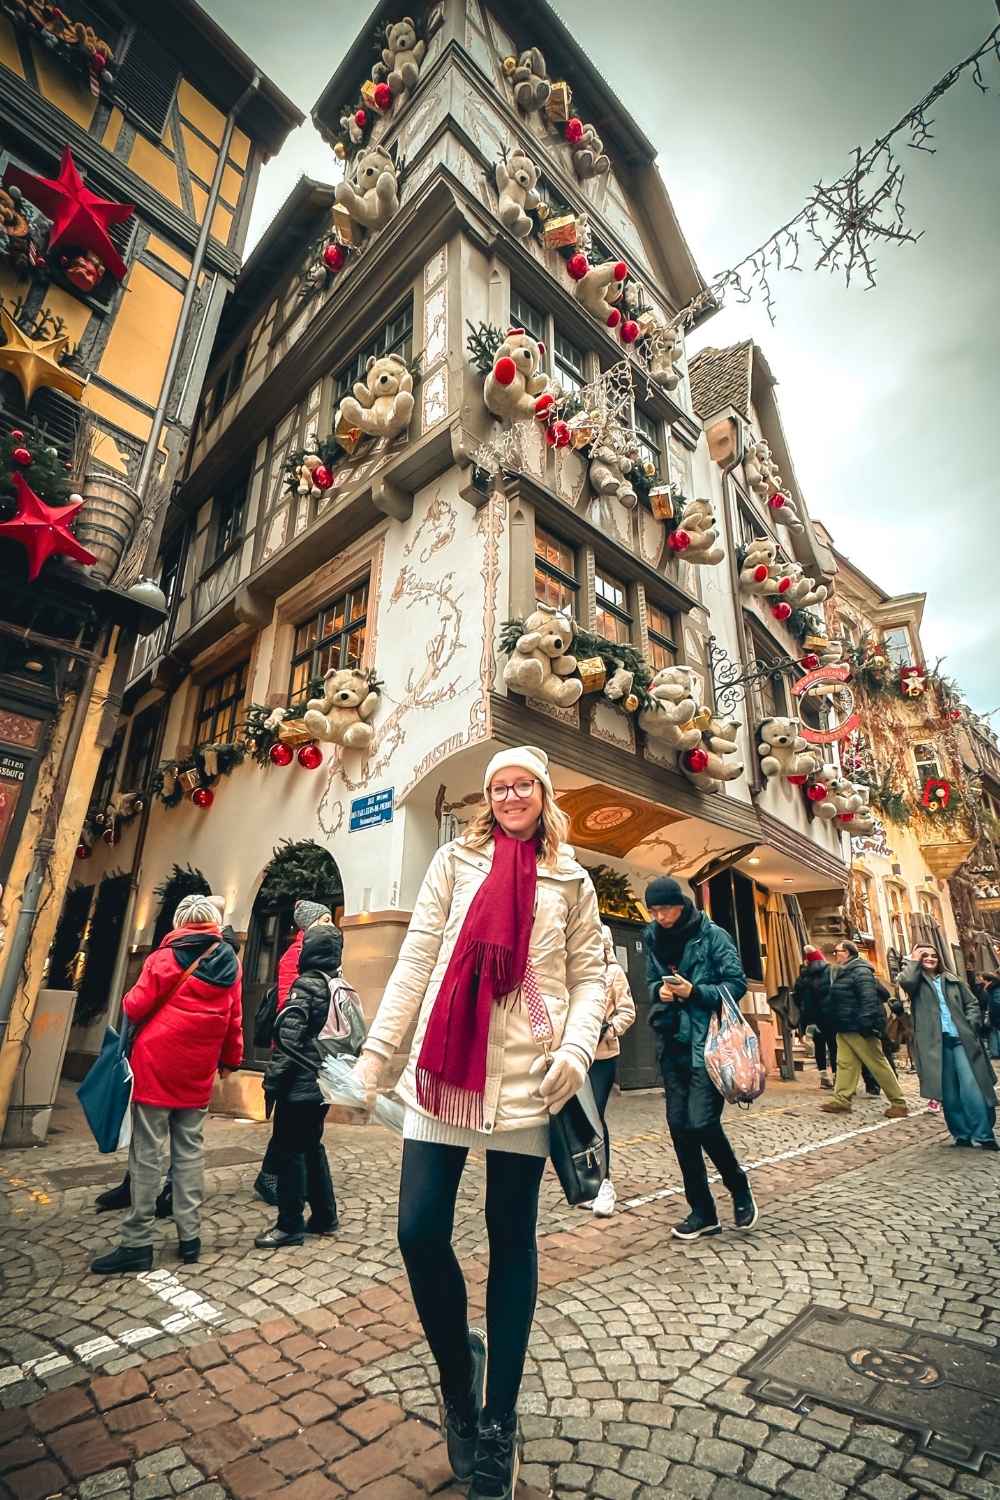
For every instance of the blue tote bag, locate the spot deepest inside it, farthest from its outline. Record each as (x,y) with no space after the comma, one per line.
(105,1094)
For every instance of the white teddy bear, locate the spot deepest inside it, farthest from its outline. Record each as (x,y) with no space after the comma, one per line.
(757,455)
(589,159)
(862,823)
(666,347)
(803,591)
(517,184)
(402,55)
(516,381)
(698,524)
(827,777)
(370,195)
(341,716)
(758,572)
(783,751)
(719,740)
(530,80)
(541,666)
(382,404)
(304,474)
(845,797)
(600,288)
(608,474)
(674,693)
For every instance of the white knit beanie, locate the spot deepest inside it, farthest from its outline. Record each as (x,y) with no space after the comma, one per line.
(200,911)
(526,758)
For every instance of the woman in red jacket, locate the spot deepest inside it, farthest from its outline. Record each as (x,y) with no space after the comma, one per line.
(187,1006)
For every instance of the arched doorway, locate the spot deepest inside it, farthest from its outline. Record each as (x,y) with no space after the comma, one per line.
(302,871)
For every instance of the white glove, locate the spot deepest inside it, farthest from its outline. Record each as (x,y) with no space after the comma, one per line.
(563,1079)
(368,1073)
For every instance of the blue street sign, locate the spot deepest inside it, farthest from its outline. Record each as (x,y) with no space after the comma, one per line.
(370,811)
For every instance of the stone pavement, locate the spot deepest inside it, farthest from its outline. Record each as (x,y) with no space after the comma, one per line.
(306,1370)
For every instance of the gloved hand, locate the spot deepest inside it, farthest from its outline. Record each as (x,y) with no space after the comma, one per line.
(562,1080)
(368,1073)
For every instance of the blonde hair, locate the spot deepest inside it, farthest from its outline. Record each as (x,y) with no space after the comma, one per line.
(555,828)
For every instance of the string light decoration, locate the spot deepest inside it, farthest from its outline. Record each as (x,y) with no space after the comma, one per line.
(847,219)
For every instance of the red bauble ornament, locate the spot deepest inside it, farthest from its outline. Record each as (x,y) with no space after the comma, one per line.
(16,434)
(333,256)
(614,317)
(21,456)
(678,541)
(562,437)
(43,530)
(845,817)
(382,97)
(810,661)
(696,760)
(322,477)
(98,62)
(109,837)
(361,118)
(504,370)
(621,270)
(80,219)
(955,715)
(776,501)
(550,435)
(203,796)
(760,573)
(83,851)
(573,131)
(816,792)
(542,406)
(781,611)
(578,265)
(281,754)
(310,757)
(629,331)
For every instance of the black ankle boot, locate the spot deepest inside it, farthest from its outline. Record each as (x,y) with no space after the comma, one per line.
(123,1261)
(461,1422)
(165,1202)
(116,1198)
(189,1251)
(498,1461)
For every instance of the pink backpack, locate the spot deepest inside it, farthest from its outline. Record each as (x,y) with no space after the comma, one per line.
(732,1055)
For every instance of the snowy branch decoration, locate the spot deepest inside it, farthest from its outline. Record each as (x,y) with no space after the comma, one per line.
(847,219)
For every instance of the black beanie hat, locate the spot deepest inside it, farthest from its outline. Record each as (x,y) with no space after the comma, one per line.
(664,891)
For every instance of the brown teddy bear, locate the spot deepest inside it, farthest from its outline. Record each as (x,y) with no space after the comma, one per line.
(382,404)
(341,716)
(530,79)
(517,184)
(516,381)
(541,666)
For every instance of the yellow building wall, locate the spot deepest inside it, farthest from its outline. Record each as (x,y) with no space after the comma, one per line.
(196,108)
(169,254)
(201,157)
(113,129)
(154,166)
(139,346)
(10,57)
(62,89)
(122,413)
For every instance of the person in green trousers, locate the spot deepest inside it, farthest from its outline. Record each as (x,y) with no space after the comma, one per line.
(859,1016)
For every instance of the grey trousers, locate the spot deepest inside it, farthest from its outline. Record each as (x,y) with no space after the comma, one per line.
(152,1128)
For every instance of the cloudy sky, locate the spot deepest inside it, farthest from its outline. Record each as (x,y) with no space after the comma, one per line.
(889,397)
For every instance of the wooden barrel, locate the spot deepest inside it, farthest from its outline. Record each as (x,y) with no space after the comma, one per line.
(106,524)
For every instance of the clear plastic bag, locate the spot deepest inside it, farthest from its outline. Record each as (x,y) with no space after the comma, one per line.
(337,1084)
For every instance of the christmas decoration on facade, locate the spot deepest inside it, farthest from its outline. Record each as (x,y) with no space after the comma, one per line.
(197,772)
(80,219)
(22,233)
(610,473)
(709,764)
(37,356)
(540,664)
(587,148)
(784,752)
(341,715)
(75,43)
(402,56)
(371,194)
(599,287)
(828,683)
(529,79)
(382,404)
(42,530)
(516,380)
(761,575)
(912,682)
(696,524)
(517,184)
(672,716)
(661,345)
(936,794)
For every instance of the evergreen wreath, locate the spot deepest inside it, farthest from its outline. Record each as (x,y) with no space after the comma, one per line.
(302,871)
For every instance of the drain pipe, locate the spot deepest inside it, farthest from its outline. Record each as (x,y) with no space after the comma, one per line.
(182,329)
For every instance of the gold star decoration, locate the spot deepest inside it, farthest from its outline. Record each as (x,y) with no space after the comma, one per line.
(35,362)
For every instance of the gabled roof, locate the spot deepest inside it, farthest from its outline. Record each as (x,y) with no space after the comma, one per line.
(720,378)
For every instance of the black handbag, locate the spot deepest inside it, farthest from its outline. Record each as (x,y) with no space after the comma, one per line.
(576,1146)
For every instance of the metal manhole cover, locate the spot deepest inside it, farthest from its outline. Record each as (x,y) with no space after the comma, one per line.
(944,1390)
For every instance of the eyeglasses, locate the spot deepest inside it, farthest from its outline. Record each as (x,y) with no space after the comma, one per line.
(521,789)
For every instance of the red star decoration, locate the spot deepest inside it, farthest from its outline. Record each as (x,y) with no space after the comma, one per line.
(80,220)
(43,530)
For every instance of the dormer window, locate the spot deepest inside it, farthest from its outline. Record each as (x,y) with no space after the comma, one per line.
(898,646)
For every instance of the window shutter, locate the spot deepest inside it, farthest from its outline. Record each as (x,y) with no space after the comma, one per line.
(56,417)
(147,79)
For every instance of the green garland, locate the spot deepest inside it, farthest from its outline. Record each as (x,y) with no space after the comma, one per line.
(615,896)
(302,871)
(483,341)
(227,757)
(887,799)
(801,623)
(586,644)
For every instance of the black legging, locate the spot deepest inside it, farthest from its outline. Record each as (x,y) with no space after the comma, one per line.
(602,1079)
(427,1191)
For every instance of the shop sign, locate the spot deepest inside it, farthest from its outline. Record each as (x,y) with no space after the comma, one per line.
(373,810)
(832,677)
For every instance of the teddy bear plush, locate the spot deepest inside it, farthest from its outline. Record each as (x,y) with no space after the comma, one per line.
(601,287)
(803,590)
(304,474)
(698,524)
(531,82)
(845,797)
(541,666)
(341,716)
(862,821)
(666,347)
(670,721)
(609,475)
(370,195)
(827,777)
(719,740)
(589,159)
(402,55)
(382,404)
(517,184)
(516,381)
(782,750)
(760,574)
(757,464)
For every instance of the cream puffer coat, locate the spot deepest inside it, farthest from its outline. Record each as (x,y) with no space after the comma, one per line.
(619,1011)
(566,952)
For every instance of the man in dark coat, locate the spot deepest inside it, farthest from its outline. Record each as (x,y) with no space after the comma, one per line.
(951,1060)
(689,961)
(859,1017)
(290,1084)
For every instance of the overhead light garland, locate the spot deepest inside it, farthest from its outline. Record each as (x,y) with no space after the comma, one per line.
(849,217)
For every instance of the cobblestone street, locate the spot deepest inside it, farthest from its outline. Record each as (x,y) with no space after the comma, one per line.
(306,1371)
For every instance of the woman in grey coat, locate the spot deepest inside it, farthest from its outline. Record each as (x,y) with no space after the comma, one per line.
(951,1061)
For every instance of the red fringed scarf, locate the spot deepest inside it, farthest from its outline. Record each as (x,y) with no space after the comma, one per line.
(488,963)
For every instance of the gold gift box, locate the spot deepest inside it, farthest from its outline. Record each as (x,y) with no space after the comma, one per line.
(661,502)
(344,226)
(816,642)
(593,674)
(294,733)
(347,436)
(559,103)
(560,231)
(190,780)
(368,93)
